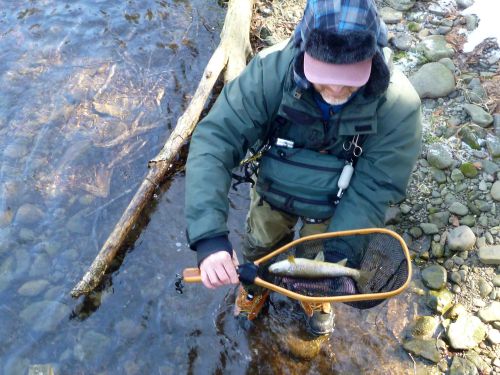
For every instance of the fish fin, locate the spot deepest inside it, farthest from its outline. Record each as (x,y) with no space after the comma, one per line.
(343,262)
(291,259)
(365,277)
(320,257)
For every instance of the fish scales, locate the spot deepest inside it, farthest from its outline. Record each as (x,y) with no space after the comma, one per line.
(300,267)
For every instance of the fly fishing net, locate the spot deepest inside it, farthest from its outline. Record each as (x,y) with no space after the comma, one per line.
(378,260)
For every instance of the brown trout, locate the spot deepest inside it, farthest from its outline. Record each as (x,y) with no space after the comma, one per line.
(308,268)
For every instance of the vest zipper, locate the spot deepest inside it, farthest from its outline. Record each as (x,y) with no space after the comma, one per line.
(303,165)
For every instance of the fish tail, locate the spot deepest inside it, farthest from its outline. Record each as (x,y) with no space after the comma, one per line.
(365,277)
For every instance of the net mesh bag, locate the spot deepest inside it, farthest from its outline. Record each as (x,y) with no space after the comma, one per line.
(379,255)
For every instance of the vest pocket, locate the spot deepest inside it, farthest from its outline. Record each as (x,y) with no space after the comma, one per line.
(301,182)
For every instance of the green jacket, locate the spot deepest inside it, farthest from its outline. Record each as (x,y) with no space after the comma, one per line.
(244,113)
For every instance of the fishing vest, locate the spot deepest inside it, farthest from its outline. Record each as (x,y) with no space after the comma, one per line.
(300,169)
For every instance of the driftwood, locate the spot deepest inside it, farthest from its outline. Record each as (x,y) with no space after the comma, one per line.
(231,53)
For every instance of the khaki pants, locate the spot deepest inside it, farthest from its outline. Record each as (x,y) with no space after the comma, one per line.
(268,229)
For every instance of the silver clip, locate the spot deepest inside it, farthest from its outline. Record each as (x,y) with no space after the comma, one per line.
(358,150)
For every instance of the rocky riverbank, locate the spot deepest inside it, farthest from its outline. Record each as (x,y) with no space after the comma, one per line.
(450,219)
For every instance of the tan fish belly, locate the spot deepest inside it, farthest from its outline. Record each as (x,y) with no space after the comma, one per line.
(307,268)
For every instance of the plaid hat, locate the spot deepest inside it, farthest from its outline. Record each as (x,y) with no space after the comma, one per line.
(341,41)
(341,16)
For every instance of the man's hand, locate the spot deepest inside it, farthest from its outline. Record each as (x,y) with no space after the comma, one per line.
(219,269)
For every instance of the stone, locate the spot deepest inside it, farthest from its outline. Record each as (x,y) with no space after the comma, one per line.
(434,277)
(476,94)
(15,151)
(29,214)
(438,175)
(484,287)
(414,27)
(493,145)
(437,250)
(33,288)
(428,349)
(420,245)
(424,327)
(490,167)
(469,137)
(466,332)
(462,4)
(439,301)
(443,8)
(461,238)
(402,41)
(429,228)
(6,216)
(405,209)
(469,170)
(42,369)
(489,254)
(456,311)
(91,346)
(433,80)
(108,109)
(448,63)
(440,218)
(392,215)
(496,281)
(45,316)
(462,366)
(490,313)
(468,220)
(457,175)
(390,15)
(435,47)
(493,336)
(439,156)
(479,362)
(496,123)
(478,115)
(459,209)
(402,5)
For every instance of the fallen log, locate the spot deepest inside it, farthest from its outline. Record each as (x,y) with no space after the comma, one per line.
(231,54)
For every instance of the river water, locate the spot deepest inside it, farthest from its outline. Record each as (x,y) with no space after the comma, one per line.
(89,92)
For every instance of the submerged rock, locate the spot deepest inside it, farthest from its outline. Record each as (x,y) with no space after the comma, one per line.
(29,214)
(462,366)
(45,316)
(434,277)
(428,349)
(439,301)
(424,327)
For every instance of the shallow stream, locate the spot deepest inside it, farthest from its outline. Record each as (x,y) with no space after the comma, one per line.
(89,91)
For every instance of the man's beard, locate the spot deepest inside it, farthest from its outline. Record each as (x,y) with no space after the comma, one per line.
(336,101)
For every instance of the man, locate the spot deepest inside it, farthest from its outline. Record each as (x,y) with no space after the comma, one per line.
(327,97)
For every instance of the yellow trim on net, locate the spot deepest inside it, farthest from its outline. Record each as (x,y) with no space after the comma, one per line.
(192,275)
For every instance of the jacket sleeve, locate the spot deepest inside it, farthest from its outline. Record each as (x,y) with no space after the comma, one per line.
(384,168)
(239,117)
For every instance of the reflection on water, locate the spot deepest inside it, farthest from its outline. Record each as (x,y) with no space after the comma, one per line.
(89,92)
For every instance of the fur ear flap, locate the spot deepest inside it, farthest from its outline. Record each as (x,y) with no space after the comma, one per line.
(340,48)
(379,76)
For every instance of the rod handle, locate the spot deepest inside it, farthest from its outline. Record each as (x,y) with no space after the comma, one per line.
(191,275)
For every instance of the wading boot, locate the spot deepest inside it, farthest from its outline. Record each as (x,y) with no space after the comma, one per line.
(250,304)
(320,317)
